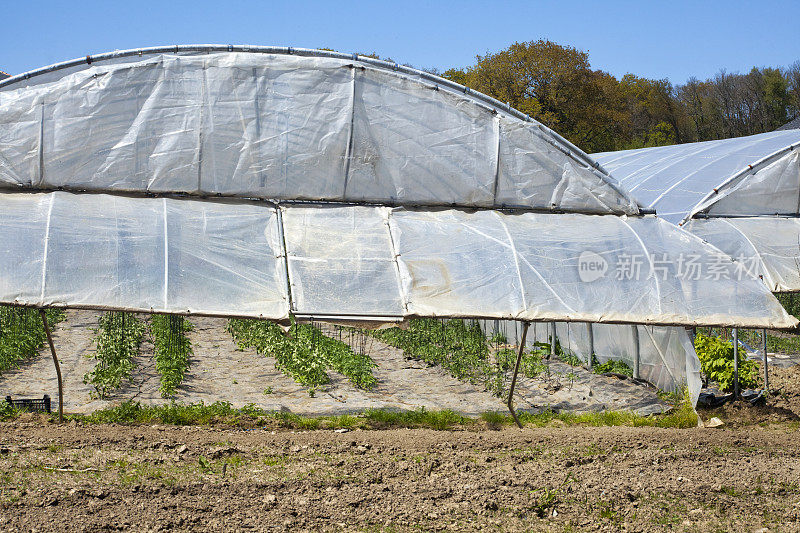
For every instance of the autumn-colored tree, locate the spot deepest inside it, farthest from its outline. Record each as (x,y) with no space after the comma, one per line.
(556,85)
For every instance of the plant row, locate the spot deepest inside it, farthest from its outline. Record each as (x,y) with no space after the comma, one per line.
(118,339)
(118,342)
(304,353)
(22,334)
(173,350)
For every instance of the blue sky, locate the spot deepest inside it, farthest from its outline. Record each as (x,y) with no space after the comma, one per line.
(675,39)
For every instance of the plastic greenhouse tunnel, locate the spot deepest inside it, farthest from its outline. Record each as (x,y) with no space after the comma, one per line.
(741,195)
(262,182)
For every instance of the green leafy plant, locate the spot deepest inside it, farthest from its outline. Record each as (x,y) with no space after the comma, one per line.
(716,362)
(172,350)
(614,367)
(458,346)
(118,339)
(530,366)
(304,353)
(22,334)
(498,338)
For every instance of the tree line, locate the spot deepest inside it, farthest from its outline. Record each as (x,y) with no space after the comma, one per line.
(557,86)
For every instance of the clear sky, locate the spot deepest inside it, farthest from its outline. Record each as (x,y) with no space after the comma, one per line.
(673,39)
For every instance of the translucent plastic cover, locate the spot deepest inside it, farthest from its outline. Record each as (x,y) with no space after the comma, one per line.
(140,254)
(285,127)
(666,356)
(229,258)
(767,247)
(675,179)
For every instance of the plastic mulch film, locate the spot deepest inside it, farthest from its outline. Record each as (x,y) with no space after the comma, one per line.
(285,127)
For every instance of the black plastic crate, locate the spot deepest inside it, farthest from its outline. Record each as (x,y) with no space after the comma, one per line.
(31,404)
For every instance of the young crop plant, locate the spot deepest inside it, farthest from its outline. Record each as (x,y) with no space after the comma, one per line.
(614,367)
(118,339)
(716,362)
(457,346)
(530,366)
(304,353)
(22,334)
(173,350)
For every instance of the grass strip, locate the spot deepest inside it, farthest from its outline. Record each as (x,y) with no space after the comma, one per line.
(249,417)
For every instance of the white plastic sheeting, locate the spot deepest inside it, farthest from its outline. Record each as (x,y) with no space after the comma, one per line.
(285,127)
(728,193)
(675,179)
(750,186)
(229,258)
(141,254)
(666,355)
(768,247)
(363,261)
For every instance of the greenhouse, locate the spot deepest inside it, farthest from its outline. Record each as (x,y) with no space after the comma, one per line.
(269,182)
(742,195)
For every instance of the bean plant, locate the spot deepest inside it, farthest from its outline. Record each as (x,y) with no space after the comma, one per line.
(22,334)
(173,350)
(118,339)
(304,353)
(614,367)
(531,364)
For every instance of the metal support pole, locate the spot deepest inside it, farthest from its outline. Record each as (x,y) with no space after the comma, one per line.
(552,340)
(516,371)
(735,363)
(766,366)
(589,328)
(636,351)
(43,313)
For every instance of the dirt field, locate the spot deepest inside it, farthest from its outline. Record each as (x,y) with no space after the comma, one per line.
(74,478)
(742,477)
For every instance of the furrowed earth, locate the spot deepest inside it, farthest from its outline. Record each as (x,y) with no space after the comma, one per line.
(261,475)
(110,477)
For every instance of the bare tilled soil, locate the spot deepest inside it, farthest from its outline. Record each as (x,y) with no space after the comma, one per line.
(89,478)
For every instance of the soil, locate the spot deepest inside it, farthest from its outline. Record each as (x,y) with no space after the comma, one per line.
(783,404)
(221,372)
(100,478)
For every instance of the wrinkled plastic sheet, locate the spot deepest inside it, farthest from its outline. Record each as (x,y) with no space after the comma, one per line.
(227,258)
(765,247)
(152,255)
(666,356)
(674,179)
(485,264)
(772,188)
(284,127)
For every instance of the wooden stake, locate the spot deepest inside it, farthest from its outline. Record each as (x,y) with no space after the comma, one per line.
(516,371)
(55,362)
